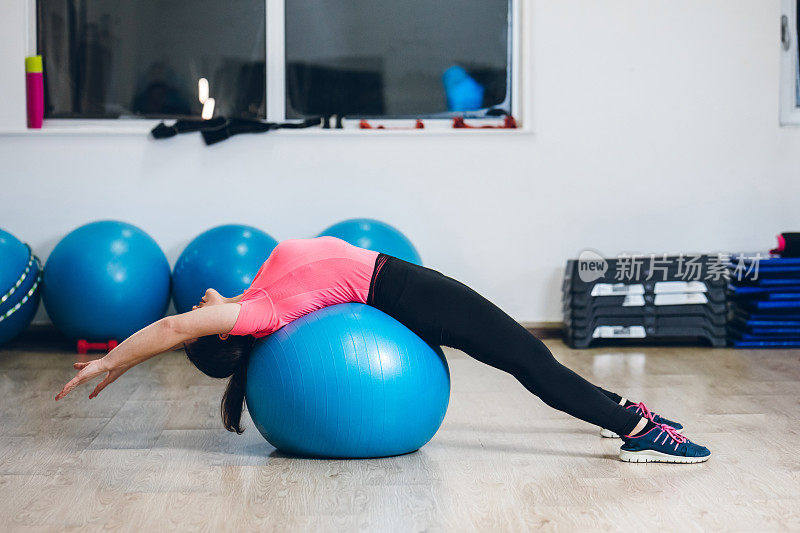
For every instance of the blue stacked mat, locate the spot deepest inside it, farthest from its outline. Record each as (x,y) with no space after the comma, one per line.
(765,303)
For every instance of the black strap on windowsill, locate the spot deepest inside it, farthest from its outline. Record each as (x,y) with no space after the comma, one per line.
(219,129)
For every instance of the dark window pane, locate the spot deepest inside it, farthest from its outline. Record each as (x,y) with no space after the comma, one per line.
(111,58)
(397,58)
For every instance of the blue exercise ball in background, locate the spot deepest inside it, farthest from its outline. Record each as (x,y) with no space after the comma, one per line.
(376,236)
(106,280)
(347,381)
(225,258)
(19,286)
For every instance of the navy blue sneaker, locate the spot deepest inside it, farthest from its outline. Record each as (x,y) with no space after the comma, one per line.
(662,444)
(642,410)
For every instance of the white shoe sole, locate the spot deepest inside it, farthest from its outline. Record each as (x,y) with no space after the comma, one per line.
(652,456)
(608,434)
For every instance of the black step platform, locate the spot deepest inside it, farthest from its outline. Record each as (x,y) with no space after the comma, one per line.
(646,300)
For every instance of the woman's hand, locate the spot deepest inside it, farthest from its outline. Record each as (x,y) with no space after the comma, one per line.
(212,297)
(88,371)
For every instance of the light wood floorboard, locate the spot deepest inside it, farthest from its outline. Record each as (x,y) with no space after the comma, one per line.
(150,455)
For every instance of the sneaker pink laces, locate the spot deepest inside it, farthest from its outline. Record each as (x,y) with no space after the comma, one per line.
(642,409)
(670,432)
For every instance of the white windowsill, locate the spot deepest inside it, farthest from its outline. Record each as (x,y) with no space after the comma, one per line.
(87,127)
(136,127)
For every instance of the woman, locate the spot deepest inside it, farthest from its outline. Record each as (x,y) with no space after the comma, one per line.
(302,276)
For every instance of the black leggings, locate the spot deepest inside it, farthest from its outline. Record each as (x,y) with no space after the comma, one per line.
(443,311)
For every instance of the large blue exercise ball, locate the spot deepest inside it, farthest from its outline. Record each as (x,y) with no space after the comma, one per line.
(19,286)
(376,236)
(106,280)
(347,381)
(225,258)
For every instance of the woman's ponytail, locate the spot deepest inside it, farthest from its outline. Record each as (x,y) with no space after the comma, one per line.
(233,400)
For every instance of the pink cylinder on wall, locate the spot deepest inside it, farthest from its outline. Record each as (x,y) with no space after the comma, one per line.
(34,79)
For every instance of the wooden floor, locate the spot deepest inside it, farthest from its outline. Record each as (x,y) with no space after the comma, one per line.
(149,454)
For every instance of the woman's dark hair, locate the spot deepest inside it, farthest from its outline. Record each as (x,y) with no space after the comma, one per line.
(220,359)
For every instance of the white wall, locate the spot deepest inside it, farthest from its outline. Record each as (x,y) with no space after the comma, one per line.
(656,129)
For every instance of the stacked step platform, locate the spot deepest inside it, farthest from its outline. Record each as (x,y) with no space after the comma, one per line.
(646,300)
(765,302)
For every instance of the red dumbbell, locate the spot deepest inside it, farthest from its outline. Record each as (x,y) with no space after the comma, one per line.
(84,346)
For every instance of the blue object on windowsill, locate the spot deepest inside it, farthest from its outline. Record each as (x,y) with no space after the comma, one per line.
(463,92)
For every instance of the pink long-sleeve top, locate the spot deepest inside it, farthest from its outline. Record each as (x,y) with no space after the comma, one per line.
(302,276)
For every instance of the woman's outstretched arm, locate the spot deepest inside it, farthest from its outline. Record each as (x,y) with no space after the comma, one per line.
(156,338)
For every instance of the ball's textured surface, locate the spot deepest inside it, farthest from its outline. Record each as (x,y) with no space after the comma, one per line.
(19,286)
(106,280)
(225,258)
(347,381)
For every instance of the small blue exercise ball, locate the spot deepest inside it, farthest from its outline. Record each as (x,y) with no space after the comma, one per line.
(376,236)
(19,286)
(106,280)
(225,258)
(347,381)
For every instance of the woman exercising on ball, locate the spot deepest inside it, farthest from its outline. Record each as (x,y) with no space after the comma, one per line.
(302,276)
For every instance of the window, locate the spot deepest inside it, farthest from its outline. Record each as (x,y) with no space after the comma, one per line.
(790,63)
(117,58)
(397,59)
(278,59)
